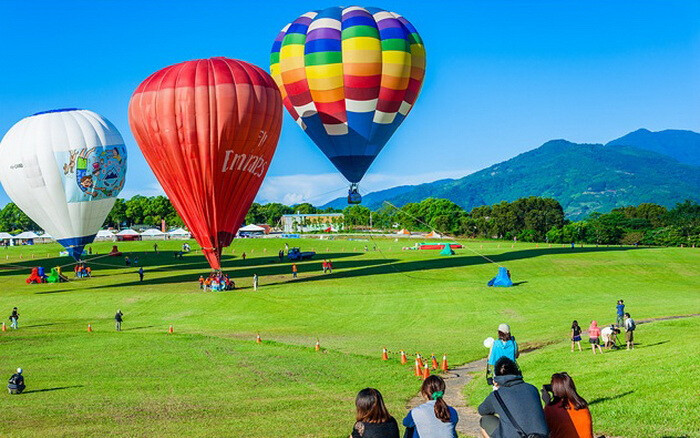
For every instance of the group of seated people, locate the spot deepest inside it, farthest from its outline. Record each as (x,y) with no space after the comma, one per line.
(215,282)
(512,409)
(82,270)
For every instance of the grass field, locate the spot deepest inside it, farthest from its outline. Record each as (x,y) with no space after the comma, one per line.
(211,379)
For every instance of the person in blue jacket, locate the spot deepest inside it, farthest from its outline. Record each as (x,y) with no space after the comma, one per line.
(504,346)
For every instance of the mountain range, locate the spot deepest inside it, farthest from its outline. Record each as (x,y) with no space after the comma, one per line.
(642,166)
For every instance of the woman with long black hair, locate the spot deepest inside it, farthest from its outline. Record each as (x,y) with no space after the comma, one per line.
(433,418)
(372,418)
(566,411)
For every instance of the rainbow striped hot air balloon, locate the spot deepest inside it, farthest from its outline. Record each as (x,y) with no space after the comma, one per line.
(349,77)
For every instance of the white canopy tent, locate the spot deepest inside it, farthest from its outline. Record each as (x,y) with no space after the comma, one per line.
(179,233)
(252,228)
(127,232)
(153,234)
(27,235)
(105,235)
(4,236)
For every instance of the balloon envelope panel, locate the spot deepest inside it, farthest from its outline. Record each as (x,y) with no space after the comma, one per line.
(208,128)
(64,169)
(349,77)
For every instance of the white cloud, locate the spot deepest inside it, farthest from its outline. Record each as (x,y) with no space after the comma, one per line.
(321,188)
(153,189)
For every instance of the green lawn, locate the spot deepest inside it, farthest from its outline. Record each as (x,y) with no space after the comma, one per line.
(649,391)
(210,378)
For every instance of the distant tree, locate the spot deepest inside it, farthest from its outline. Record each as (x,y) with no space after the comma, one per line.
(12,219)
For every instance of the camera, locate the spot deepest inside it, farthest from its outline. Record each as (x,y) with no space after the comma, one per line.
(547,388)
(489,381)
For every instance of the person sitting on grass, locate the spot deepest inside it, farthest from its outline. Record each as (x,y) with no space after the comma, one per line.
(594,335)
(514,401)
(575,336)
(565,410)
(504,346)
(16,383)
(433,418)
(630,327)
(372,418)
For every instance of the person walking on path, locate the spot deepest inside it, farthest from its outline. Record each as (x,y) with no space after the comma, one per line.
(514,401)
(594,336)
(434,418)
(504,346)
(630,327)
(565,410)
(14,318)
(372,419)
(141,273)
(255,282)
(294,270)
(118,318)
(620,312)
(575,336)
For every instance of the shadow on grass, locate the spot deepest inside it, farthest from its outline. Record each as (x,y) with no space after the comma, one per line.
(271,267)
(40,325)
(58,388)
(518,283)
(612,397)
(638,345)
(137,328)
(153,262)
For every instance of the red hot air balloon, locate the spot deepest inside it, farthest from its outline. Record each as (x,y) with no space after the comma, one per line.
(208,128)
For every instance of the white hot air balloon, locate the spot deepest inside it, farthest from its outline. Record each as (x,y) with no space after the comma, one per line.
(64,169)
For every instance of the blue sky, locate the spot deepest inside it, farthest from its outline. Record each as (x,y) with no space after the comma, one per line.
(502,77)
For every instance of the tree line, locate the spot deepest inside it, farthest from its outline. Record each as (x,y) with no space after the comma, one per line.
(531,219)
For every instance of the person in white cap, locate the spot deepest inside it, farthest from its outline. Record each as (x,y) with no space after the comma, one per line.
(16,383)
(504,346)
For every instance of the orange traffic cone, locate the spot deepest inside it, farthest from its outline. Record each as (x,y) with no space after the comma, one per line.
(403,357)
(170,329)
(444,362)
(4,328)
(385,355)
(433,362)
(420,360)
(258,339)
(417,370)
(318,345)
(426,372)
(89,328)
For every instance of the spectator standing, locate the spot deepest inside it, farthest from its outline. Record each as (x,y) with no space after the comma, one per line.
(255,282)
(140,273)
(118,319)
(372,417)
(565,410)
(434,418)
(504,346)
(294,270)
(324,265)
(511,397)
(630,327)
(575,336)
(14,318)
(127,261)
(593,336)
(155,248)
(243,256)
(620,312)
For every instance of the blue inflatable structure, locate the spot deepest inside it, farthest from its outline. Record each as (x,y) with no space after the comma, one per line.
(502,279)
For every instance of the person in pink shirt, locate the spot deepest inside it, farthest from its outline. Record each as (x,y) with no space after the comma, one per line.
(594,336)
